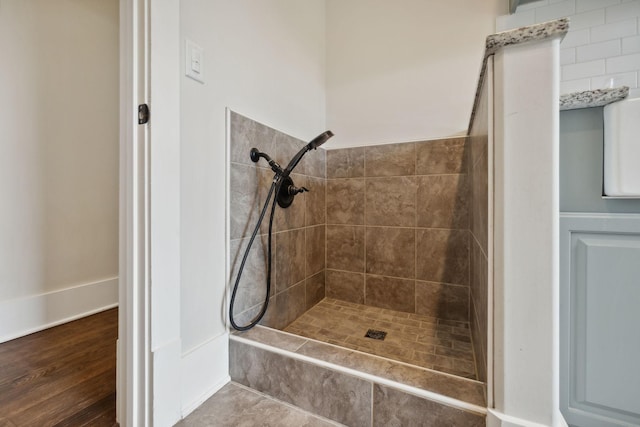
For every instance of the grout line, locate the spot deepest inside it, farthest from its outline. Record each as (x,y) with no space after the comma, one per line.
(364,263)
(397,277)
(372,400)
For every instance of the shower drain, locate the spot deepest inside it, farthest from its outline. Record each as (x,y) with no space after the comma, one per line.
(376,335)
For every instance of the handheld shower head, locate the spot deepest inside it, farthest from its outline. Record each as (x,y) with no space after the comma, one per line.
(315,143)
(319,140)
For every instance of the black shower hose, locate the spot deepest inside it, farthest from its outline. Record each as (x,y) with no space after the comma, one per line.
(275,187)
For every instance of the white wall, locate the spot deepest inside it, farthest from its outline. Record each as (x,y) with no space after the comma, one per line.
(58,160)
(603,40)
(265,60)
(403,70)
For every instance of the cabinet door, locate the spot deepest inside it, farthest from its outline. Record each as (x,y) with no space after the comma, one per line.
(600,319)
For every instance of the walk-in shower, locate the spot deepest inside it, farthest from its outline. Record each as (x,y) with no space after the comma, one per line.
(383,241)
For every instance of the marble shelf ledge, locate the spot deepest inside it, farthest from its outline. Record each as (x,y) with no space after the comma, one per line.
(497,41)
(592,98)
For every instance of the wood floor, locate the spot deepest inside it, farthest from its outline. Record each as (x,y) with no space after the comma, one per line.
(63,376)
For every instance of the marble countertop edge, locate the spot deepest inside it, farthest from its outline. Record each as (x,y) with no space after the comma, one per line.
(592,98)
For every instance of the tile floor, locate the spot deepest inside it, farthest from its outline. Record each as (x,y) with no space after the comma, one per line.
(424,341)
(238,406)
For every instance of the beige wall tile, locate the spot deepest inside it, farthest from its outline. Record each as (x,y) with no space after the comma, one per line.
(441,156)
(315,253)
(390,160)
(443,256)
(442,201)
(345,247)
(246,134)
(314,289)
(390,292)
(345,286)
(391,201)
(345,163)
(442,300)
(249,187)
(345,201)
(390,251)
(290,258)
(479,224)
(315,201)
(315,163)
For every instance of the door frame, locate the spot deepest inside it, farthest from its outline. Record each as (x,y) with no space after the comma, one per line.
(133,376)
(149,346)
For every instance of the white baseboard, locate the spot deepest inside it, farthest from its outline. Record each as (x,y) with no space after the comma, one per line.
(205,370)
(23,316)
(166,384)
(498,419)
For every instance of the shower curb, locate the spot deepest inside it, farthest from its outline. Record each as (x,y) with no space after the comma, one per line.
(282,350)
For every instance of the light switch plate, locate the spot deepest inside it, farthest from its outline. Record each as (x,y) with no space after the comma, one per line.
(194,61)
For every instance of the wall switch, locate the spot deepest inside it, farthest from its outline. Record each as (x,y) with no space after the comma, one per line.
(194,61)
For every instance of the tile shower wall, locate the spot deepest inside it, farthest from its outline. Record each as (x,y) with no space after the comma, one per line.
(398,227)
(603,41)
(298,273)
(479,230)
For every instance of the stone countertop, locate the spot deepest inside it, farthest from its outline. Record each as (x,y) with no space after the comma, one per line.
(497,41)
(592,98)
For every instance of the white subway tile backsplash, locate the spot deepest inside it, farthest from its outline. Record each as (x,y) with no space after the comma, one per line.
(587,19)
(516,20)
(598,50)
(623,11)
(634,93)
(584,5)
(624,79)
(631,45)
(567,56)
(614,30)
(532,5)
(571,86)
(620,64)
(603,42)
(555,11)
(583,70)
(575,38)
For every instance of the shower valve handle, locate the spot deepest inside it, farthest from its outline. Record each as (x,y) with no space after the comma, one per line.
(293,190)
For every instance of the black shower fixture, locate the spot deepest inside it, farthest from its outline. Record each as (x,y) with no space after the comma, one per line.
(284,191)
(287,189)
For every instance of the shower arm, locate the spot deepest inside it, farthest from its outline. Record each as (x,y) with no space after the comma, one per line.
(255,155)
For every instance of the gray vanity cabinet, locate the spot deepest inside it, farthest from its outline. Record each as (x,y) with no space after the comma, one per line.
(600,319)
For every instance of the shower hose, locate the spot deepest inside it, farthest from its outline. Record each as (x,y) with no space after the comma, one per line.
(275,188)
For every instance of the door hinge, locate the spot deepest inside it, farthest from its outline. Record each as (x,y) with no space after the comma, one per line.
(143,114)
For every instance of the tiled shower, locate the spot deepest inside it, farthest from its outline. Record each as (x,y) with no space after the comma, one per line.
(398,228)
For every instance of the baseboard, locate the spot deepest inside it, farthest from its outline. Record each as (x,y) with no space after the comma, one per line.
(166,384)
(205,370)
(498,419)
(23,316)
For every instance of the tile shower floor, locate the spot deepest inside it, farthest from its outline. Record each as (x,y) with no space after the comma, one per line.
(428,342)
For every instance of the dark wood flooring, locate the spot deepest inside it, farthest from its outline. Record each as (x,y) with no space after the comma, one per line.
(63,376)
